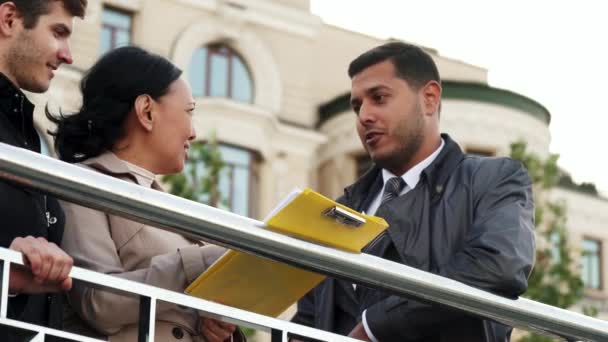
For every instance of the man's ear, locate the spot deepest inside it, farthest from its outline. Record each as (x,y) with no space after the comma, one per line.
(431,93)
(143,111)
(10,19)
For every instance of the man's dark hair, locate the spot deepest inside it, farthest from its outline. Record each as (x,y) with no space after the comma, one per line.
(411,62)
(31,10)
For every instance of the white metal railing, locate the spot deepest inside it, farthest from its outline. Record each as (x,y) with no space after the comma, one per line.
(149,295)
(196,220)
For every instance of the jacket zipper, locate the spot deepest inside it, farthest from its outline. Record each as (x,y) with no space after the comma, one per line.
(50,220)
(22,121)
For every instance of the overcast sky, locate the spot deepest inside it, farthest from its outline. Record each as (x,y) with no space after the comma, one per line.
(552,51)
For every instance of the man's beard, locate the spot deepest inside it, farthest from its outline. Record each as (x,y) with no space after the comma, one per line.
(22,59)
(410,138)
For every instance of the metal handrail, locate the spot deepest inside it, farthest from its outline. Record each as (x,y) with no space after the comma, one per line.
(196,220)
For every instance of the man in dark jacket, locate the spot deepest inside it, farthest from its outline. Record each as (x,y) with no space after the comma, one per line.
(462,217)
(33,44)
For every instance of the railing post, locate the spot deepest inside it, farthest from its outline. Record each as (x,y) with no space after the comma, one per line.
(40,337)
(276,335)
(4,278)
(147,318)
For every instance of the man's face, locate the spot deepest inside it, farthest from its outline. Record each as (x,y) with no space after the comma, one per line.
(36,53)
(390,116)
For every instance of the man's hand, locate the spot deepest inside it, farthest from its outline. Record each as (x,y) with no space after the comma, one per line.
(47,268)
(216,331)
(359,333)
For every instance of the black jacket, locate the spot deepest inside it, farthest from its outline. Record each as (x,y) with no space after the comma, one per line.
(23,210)
(469,219)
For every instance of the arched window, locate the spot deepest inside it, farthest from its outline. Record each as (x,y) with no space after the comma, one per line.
(218,71)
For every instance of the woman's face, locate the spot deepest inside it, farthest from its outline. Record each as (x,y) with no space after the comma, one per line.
(173,129)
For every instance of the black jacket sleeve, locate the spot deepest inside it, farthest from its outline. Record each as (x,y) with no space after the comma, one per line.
(497,256)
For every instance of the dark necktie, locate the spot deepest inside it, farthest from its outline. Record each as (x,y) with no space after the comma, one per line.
(392,188)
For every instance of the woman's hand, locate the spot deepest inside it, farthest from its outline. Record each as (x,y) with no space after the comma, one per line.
(216,331)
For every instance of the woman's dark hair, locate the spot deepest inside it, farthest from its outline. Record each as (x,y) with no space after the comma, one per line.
(109,90)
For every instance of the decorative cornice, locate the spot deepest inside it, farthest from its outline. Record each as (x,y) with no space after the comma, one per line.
(484,93)
(455,90)
(263,13)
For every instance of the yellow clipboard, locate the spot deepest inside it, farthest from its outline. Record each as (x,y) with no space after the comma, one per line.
(269,287)
(308,216)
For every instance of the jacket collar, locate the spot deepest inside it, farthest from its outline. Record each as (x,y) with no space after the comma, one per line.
(110,164)
(19,112)
(439,171)
(436,174)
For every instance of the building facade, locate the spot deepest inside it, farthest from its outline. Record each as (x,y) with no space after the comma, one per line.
(270,82)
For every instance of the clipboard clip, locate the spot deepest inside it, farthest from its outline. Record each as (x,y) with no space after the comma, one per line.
(344,217)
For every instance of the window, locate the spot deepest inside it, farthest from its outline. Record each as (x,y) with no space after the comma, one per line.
(115,29)
(218,71)
(555,239)
(591,264)
(237,179)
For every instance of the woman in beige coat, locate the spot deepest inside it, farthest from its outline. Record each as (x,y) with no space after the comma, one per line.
(135,123)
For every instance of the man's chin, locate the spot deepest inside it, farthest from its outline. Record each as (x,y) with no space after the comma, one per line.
(378,159)
(386,161)
(37,87)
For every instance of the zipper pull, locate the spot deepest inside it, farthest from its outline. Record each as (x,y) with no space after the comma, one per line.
(49,219)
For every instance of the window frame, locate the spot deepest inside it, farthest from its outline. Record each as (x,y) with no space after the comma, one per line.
(114,29)
(253,178)
(600,263)
(226,51)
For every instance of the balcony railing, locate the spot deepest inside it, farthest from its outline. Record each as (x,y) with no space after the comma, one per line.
(199,221)
(149,295)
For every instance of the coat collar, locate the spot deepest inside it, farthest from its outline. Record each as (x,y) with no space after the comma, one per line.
(439,171)
(436,174)
(110,164)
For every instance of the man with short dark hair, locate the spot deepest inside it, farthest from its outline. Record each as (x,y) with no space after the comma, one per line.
(463,217)
(34,38)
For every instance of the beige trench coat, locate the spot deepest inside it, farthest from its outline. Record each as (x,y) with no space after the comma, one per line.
(130,250)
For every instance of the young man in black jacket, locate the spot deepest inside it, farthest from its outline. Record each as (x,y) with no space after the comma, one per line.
(33,44)
(463,217)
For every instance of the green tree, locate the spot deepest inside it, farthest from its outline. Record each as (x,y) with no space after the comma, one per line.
(200,179)
(555,279)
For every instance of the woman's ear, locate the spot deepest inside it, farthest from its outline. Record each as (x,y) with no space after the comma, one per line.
(143,111)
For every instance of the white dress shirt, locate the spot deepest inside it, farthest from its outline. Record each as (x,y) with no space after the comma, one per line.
(411,178)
